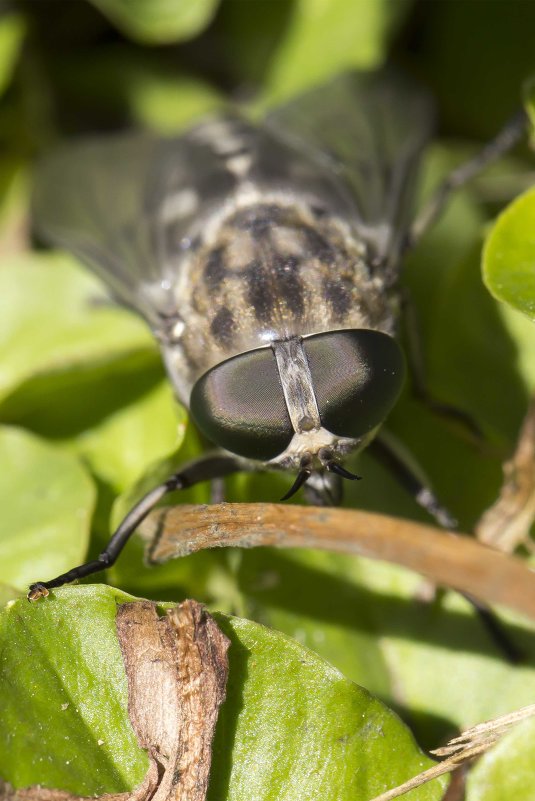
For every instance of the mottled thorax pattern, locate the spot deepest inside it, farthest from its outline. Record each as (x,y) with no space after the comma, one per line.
(269,271)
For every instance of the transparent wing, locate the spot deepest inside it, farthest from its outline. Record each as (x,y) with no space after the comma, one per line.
(370,130)
(132,207)
(126,205)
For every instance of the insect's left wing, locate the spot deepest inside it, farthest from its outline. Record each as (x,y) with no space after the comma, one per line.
(125,205)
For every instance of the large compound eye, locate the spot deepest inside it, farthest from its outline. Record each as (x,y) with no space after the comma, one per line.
(239,405)
(357,377)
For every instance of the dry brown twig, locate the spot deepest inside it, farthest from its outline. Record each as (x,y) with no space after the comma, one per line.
(506,524)
(176,666)
(462,749)
(452,560)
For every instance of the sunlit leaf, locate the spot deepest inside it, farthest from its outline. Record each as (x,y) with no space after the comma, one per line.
(55,317)
(159,21)
(292,726)
(12,30)
(509,255)
(63,697)
(47,500)
(506,772)
(324,37)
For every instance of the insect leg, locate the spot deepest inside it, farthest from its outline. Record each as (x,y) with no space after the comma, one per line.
(386,450)
(511,133)
(415,359)
(204,469)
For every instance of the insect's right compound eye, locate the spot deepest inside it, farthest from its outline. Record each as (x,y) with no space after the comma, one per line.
(357,375)
(239,405)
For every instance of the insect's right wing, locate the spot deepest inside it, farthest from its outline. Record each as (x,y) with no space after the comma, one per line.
(370,130)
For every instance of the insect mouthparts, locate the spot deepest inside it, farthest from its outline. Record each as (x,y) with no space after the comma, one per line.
(302,476)
(327,459)
(334,467)
(306,470)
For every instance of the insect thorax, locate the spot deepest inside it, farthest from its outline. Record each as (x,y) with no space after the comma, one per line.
(266,270)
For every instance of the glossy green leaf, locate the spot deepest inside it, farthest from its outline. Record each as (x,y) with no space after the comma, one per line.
(47,500)
(324,37)
(302,731)
(63,697)
(88,349)
(292,726)
(125,443)
(505,773)
(159,21)
(12,30)
(55,317)
(509,255)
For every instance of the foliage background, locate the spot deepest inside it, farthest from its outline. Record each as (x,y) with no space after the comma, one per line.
(87,416)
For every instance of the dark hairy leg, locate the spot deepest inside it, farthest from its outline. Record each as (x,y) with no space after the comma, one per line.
(508,136)
(206,468)
(415,360)
(385,450)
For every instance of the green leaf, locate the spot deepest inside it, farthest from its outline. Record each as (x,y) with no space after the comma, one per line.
(159,21)
(88,349)
(134,435)
(433,660)
(12,30)
(505,773)
(529,101)
(459,72)
(509,255)
(13,204)
(47,500)
(324,37)
(301,730)
(205,576)
(152,92)
(55,317)
(63,702)
(292,726)
(167,103)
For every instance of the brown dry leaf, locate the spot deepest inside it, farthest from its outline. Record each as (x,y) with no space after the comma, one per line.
(177,669)
(506,524)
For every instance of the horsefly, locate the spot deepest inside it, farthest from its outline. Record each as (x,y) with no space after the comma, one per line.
(266,260)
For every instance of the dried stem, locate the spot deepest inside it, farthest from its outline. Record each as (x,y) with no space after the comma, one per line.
(448,559)
(462,749)
(507,523)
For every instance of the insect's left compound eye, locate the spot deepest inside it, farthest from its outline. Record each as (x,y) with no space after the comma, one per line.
(239,405)
(357,377)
